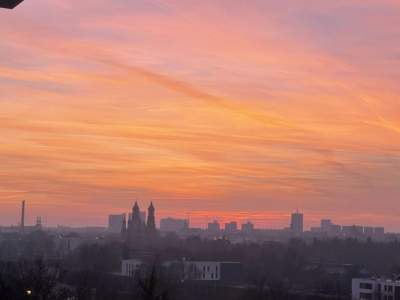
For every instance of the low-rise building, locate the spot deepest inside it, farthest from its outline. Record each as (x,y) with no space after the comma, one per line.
(201,270)
(130,267)
(221,271)
(173,225)
(375,289)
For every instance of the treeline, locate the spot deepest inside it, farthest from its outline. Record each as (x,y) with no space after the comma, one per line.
(40,280)
(272,270)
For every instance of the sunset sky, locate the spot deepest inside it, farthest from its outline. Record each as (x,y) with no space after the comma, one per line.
(228,109)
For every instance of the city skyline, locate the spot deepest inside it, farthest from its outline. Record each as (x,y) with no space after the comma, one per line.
(228,109)
(296,222)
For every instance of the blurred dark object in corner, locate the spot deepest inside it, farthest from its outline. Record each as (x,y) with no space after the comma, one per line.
(9,3)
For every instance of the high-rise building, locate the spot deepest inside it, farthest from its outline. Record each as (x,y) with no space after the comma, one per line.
(230,227)
(296,223)
(39,222)
(173,225)
(115,223)
(248,228)
(326,225)
(213,226)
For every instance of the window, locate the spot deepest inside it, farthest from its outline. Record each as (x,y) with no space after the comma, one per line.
(366,286)
(390,288)
(365,296)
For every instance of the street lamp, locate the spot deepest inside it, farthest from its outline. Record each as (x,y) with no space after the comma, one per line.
(10,4)
(28,292)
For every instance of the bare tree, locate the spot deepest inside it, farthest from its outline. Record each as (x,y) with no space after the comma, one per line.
(39,279)
(152,286)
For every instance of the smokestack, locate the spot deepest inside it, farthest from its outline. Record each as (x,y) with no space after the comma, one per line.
(23,217)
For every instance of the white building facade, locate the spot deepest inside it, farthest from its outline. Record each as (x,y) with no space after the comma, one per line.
(202,270)
(227,272)
(130,267)
(375,288)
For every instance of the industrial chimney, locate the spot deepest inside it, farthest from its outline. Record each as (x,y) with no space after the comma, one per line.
(23,217)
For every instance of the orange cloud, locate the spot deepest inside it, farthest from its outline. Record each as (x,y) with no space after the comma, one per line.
(198,109)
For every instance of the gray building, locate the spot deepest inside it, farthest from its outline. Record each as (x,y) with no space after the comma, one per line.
(214,227)
(115,223)
(248,228)
(296,222)
(173,225)
(231,227)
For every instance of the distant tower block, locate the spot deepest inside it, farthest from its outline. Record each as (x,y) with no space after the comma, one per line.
(297,222)
(10,4)
(23,217)
(39,222)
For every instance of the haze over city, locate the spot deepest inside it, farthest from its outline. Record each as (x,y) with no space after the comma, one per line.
(222,109)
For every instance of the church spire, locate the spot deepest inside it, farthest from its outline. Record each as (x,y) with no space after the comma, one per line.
(123,229)
(136,213)
(151,219)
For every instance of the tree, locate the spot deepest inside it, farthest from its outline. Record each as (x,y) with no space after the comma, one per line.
(39,278)
(151,286)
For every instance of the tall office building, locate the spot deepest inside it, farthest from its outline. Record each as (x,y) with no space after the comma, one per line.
(115,223)
(214,226)
(248,228)
(39,223)
(231,227)
(296,223)
(326,225)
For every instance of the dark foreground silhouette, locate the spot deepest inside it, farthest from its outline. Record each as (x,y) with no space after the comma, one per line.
(10,4)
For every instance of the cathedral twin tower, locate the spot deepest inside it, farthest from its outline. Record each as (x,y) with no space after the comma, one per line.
(137,228)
